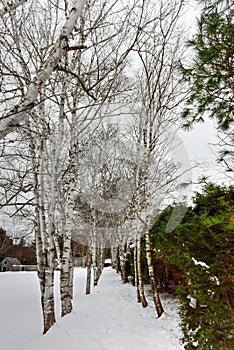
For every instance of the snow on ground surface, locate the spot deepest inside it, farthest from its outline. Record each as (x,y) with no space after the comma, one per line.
(108,319)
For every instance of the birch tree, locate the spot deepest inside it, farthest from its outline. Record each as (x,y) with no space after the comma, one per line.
(104,55)
(160,94)
(44,173)
(98,200)
(44,168)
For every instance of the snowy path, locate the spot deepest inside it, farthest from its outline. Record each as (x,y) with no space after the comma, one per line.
(108,319)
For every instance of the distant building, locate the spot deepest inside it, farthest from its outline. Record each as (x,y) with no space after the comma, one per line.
(107,263)
(7,264)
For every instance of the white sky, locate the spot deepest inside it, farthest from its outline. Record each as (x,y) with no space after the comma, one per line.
(200,145)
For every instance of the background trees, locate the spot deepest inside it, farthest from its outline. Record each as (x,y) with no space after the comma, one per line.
(24,252)
(6,244)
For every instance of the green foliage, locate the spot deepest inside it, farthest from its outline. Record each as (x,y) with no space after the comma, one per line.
(211,72)
(144,266)
(201,249)
(130,265)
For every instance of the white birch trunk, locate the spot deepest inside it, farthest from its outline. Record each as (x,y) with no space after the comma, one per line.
(48,300)
(66,270)
(45,254)
(122,256)
(49,285)
(139,273)
(136,272)
(113,256)
(58,251)
(96,267)
(154,289)
(66,277)
(100,261)
(40,251)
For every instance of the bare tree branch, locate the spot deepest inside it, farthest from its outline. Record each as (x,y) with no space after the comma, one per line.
(10,6)
(11,120)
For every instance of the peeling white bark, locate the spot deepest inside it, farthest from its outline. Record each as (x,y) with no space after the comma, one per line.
(136,272)
(66,268)
(48,307)
(99,264)
(154,289)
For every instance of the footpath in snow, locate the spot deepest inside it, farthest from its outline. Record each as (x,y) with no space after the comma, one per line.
(108,319)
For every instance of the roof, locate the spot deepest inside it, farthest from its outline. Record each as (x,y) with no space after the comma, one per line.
(108,261)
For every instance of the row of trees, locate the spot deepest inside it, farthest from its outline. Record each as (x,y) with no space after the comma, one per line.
(68,169)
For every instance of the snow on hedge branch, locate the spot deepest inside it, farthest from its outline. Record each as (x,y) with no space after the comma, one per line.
(201,263)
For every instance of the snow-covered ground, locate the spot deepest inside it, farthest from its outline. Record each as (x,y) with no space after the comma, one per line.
(108,319)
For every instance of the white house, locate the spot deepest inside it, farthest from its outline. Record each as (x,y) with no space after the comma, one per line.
(7,264)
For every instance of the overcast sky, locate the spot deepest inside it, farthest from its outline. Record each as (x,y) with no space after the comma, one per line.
(200,146)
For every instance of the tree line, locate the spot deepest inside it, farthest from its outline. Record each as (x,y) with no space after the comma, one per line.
(194,261)
(9,248)
(66,169)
